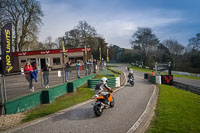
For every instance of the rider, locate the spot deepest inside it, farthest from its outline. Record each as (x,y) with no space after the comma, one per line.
(103,89)
(130,75)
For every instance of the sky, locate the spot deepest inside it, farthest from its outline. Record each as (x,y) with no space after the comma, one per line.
(117,20)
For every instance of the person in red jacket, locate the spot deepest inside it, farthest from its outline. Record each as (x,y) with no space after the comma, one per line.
(27,69)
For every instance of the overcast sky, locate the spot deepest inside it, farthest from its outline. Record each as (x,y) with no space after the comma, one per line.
(117,20)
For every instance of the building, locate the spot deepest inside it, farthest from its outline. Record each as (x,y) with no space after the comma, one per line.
(52,57)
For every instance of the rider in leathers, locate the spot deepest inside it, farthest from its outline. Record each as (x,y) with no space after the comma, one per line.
(103,89)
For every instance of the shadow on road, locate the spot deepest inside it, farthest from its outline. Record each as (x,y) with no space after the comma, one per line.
(77,114)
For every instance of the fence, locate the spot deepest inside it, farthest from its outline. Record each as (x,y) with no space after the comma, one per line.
(17,86)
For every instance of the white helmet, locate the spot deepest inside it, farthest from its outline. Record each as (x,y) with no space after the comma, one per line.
(104,80)
(131,72)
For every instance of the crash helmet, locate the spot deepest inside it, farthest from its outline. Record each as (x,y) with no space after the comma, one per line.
(131,71)
(104,80)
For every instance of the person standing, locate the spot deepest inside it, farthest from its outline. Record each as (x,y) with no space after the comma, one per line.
(78,65)
(67,70)
(46,75)
(95,65)
(27,69)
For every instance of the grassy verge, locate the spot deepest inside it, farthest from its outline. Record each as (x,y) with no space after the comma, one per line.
(61,103)
(149,71)
(177,111)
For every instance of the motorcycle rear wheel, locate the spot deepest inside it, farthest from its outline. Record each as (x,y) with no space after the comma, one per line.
(97,110)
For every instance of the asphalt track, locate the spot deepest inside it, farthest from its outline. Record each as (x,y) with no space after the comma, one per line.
(130,104)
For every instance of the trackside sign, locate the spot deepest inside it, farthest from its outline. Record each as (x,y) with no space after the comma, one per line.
(6,47)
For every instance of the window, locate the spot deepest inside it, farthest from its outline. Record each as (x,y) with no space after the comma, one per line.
(56,61)
(22,61)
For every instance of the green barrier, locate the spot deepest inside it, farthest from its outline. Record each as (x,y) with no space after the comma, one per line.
(23,103)
(92,82)
(152,79)
(50,94)
(77,83)
(42,97)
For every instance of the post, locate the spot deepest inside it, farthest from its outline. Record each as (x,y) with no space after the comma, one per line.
(63,55)
(2,97)
(169,68)
(156,69)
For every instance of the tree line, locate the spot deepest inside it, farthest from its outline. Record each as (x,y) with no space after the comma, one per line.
(146,48)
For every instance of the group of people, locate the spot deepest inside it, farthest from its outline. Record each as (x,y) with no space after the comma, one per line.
(31,73)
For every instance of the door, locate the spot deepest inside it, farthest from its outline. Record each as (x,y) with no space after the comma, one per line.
(42,62)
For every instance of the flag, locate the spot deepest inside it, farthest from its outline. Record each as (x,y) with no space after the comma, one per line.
(63,45)
(100,54)
(6,47)
(85,53)
(107,56)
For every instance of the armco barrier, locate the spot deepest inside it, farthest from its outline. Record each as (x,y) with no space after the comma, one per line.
(191,88)
(71,86)
(92,82)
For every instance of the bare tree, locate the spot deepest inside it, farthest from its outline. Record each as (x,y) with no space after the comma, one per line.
(175,49)
(26,16)
(146,42)
(194,42)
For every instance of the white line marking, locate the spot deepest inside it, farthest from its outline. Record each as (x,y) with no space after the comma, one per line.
(138,122)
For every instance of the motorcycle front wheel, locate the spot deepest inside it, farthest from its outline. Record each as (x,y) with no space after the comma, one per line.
(112,103)
(97,110)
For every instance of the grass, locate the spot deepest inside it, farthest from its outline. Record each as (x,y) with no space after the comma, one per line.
(82,94)
(149,71)
(61,103)
(177,111)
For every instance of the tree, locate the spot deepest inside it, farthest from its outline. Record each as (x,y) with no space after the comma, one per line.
(146,42)
(176,50)
(194,42)
(25,16)
(83,34)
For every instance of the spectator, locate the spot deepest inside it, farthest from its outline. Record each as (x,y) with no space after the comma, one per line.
(67,70)
(27,69)
(152,73)
(78,65)
(46,75)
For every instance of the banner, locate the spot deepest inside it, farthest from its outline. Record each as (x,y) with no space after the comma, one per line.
(107,55)
(85,53)
(6,47)
(63,45)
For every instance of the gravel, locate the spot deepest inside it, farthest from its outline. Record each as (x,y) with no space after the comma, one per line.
(8,121)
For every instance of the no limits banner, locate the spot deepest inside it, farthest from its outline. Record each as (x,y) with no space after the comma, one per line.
(6,47)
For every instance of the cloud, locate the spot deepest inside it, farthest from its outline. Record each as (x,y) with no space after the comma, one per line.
(116,28)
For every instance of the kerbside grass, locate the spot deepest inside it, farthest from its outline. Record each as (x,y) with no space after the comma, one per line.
(176,75)
(177,111)
(61,103)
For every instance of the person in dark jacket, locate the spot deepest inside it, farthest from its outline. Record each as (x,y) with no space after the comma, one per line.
(67,70)
(46,75)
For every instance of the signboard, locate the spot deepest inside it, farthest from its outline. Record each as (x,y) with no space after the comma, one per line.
(167,79)
(6,47)
(57,51)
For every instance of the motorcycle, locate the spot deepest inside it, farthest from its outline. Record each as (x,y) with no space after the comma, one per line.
(131,81)
(100,104)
